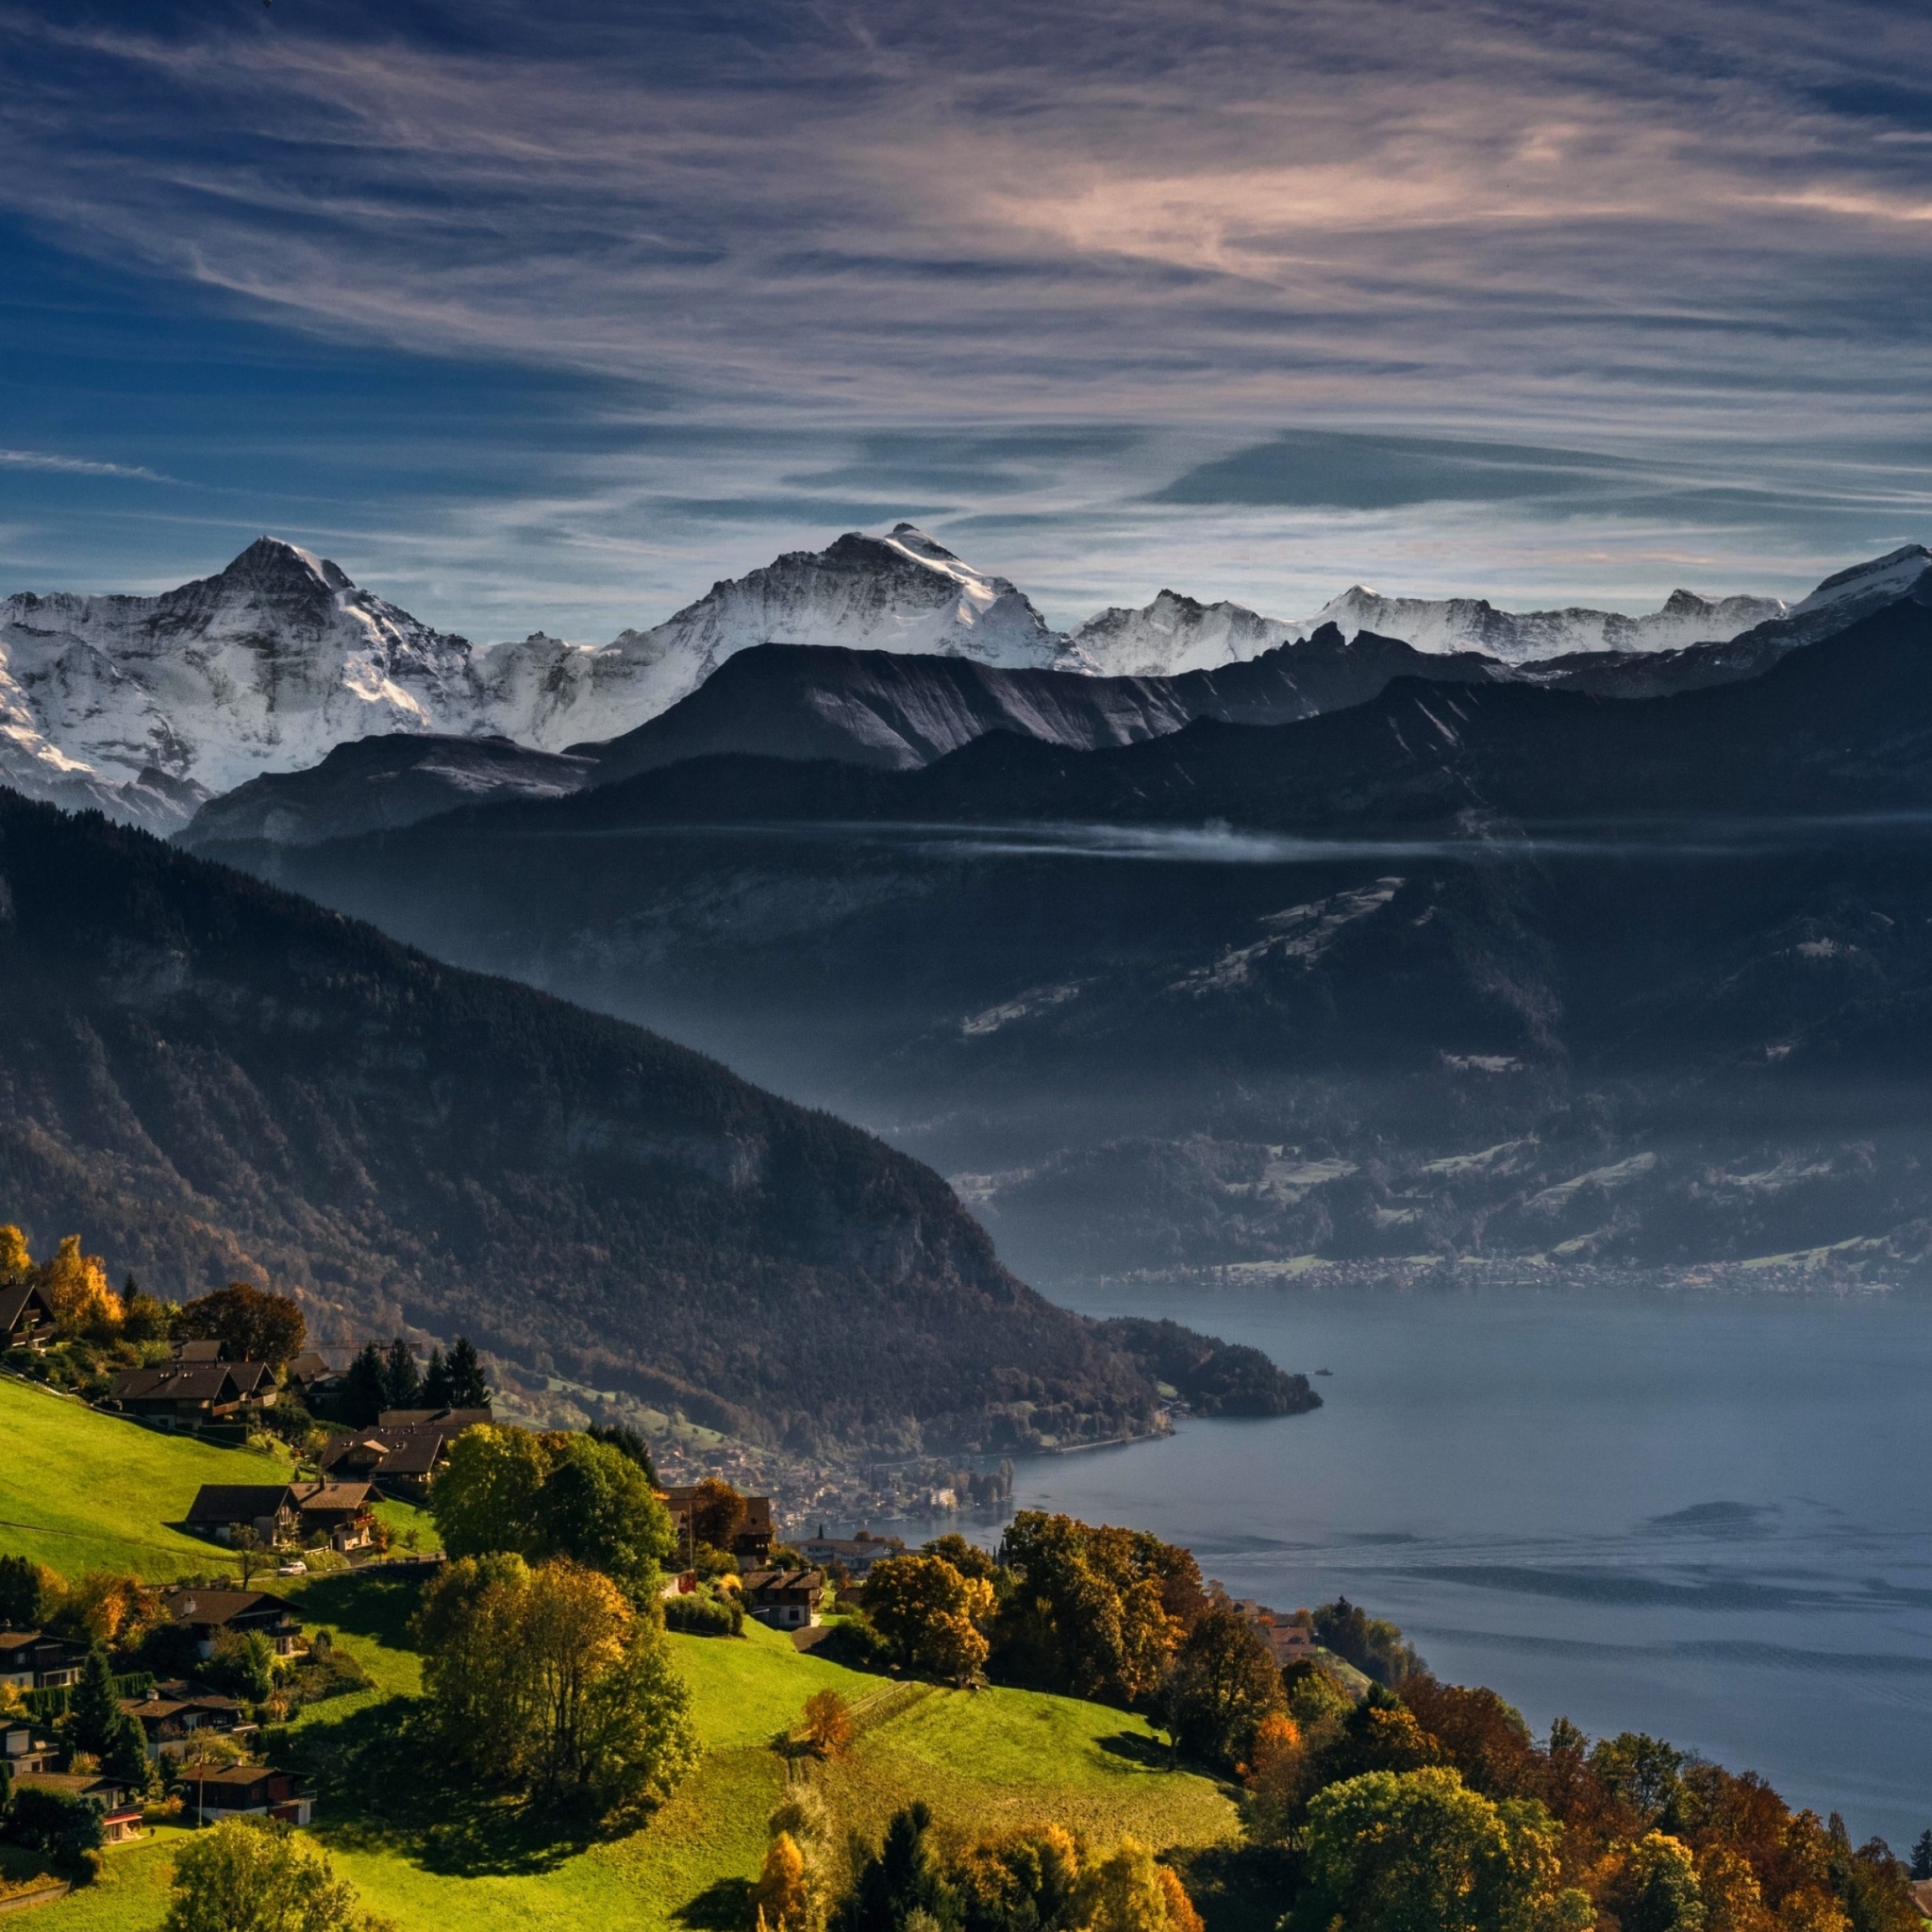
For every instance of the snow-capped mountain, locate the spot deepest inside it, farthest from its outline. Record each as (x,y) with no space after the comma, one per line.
(147,706)
(1175,633)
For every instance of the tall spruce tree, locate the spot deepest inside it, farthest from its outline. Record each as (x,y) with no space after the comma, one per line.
(365,1387)
(402,1380)
(467,1387)
(98,1723)
(436,1381)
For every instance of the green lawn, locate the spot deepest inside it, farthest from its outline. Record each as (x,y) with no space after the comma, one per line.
(83,1491)
(983,1760)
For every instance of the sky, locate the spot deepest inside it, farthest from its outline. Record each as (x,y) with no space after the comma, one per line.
(547,318)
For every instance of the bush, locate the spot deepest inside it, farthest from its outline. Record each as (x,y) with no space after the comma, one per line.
(46,1821)
(327,1673)
(704,1613)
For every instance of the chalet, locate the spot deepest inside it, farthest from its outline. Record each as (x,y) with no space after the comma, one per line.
(172,1714)
(856,1554)
(309,1377)
(27,1316)
(210,1612)
(248,1790)
(32,1660)
(757,1529)
(198,1353)
(286,1513)
(186,1394)
(403,1451)
(117,1803)
(788,1599)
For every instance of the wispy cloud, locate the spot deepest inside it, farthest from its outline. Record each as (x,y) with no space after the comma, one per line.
(75,466)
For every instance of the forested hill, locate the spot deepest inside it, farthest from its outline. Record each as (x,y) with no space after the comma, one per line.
(214,1077)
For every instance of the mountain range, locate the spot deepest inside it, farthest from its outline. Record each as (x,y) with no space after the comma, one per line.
(148,707)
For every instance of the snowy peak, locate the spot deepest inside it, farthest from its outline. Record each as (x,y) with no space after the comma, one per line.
(1175,634)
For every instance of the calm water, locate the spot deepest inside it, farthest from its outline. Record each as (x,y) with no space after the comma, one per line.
(1710,1519)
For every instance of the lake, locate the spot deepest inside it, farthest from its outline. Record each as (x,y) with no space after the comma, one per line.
(1709,1518)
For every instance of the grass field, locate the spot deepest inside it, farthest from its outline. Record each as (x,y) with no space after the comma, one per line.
(982,1759)
(82,1490)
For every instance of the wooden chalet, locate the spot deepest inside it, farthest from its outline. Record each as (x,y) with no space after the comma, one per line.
(286,1515)
(27,1316)
(186,1395)
(210,1613)
(403,1451)
(116,1801)
(788,1599)
(248,1790)
(172,1714)
(32,1660)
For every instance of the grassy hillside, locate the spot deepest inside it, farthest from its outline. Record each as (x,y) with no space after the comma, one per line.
(982,1759)
(81,1491)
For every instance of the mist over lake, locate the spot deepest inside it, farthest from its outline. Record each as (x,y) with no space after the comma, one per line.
(1707,1517)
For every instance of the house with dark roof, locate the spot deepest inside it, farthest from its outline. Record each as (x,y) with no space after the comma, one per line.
(113,1798)
(27,1316)
(32,1660)
(788,1599)
(403,1451)
(856,1554)
(199,1353)
(248,1790)
(186,1395)
(210,1612)
(309,1377)
(285,1514)
(172,1712)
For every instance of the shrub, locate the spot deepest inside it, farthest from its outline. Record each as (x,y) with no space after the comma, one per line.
(704,1613)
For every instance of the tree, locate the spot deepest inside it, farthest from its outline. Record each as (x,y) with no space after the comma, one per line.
(402,1381)
(969,1559)
(545,1680)
(1277,1764)
(1642,1771)
(147,1318)
(16,1263)
(628,1441)
(1181,1915)
(436,1381)
(599,1508)
(252,1324)
(1370,1644)
(251,1875)
(1922,1854)
(486,1495)
(467,1387)
(76,1284)
(828,1727)
(1122,1892)
(97,1724)
(717,1513)
(67,1828)
(1027,1881)
(930,1615)
(244,1664)
(901,1879)
(1419,1852)
(782,1895)
(1222,1683)
(365,1387)
(21,1590)
(1657,1889)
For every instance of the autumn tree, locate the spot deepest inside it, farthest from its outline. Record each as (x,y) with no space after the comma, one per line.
(16,1263)
(717,1513)
(76,1285)
(929,1615)
(251,1324)
(1275,1775)
(1640,1771)
(1484,1738)
(1025,1879)
(546,1679)
(828,1727)
(1656,1888)
(1222,1683)
(782,1895)
(486,1495)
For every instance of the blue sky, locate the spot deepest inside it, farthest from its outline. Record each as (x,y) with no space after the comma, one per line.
(549,317)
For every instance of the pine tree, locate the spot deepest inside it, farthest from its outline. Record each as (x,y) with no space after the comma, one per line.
(436,1382)
(402,1380)
(467,1387)
(94,1705)
(20,1593)
(365,1387)
(1922,1854)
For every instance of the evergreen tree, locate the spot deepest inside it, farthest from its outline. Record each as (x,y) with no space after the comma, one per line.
(365,1389)
(402,1381)
(467,1387)
(436,1382)
(902,1878)
(1922,1854)
(98,1723)
(20,1593)
(626,1441)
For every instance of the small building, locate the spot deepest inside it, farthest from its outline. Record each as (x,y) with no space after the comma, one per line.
(32,1660)
(757,1528)
(298,1514)
(22,1754)
(400,1455)
(115,1801)
(199,1353)
(452,1420)
(1288,1642)
(248,1790)
(856,1554)
(27,1316)
(309,1377)
(788,1599)
(172,1714)
(210,1612)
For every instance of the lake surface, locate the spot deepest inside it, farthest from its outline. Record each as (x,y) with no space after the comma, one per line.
(1709,1518)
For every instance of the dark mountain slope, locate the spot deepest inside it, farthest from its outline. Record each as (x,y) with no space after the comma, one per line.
(210,1076)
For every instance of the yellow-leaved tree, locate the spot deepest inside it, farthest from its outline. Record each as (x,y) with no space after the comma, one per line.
(16,1264)
(76,1284)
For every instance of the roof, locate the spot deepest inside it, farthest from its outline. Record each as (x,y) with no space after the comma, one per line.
(249,1377)
(193,1606)
(198,1351)
(328,1496)
(759,1581)
(175,1382)
(236,1502)
(450,1418)
(76,1784)
(310,1367)
(15,1301)
(240,1776)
